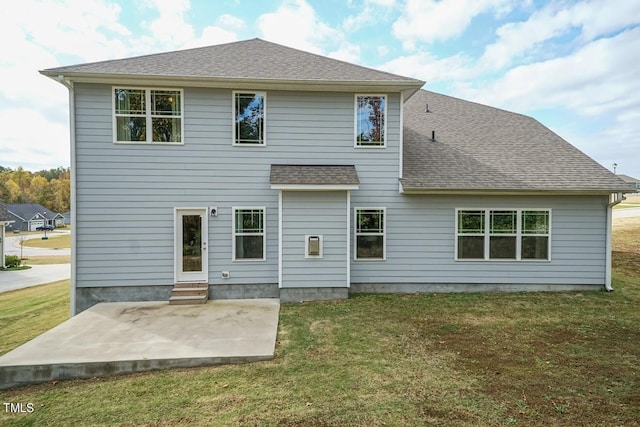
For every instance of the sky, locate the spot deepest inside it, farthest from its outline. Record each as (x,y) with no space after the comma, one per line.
(572,65)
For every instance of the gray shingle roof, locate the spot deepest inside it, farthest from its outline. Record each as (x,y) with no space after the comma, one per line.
(314,174)
(478,147)
(249,59)
(629,179)
(27,211)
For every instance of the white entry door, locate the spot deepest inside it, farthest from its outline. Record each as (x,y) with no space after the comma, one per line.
(191,245)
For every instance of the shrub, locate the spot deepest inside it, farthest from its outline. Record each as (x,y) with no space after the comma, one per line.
(12,261)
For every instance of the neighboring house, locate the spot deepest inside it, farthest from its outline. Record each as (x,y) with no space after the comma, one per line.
(66,217)
(5,219)
(634,183)
(30,216)
(265,171)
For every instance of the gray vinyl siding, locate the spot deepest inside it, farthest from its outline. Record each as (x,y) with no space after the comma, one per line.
(126,193)
(126,196)
(421,243)
(314,213)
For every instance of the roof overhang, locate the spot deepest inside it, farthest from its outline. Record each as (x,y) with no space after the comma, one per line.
(313,177)
(315,187)
(408,88)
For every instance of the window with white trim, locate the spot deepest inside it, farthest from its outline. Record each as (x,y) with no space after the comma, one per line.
(371,125)
(249,240)
(249,118)
(503,234)
(370,234)
(147,115)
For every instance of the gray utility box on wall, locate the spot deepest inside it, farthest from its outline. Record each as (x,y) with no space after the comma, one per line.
(313,246)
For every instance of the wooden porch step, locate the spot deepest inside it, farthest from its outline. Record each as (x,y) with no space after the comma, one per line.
(189,293)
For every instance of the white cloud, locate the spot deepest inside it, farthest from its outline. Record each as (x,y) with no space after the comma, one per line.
(372,11)
(41,152)
(424,65)
(599,78)
(296,24)
(347,52)
(170,30)
(230,22)
(212,36)
(594,18)
(88,29)
(431,20)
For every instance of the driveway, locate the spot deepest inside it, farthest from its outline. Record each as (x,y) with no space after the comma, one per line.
(36,275)
(626,213)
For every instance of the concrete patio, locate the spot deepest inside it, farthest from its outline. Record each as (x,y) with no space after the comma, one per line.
(120,338)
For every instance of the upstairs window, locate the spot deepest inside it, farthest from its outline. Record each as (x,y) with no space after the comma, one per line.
(249,118)
(147,115)
(371,127)
(500,234)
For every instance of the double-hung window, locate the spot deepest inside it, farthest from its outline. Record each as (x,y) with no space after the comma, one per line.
(147,115)
(249,242)
(249,117)
(371,124)
(503,234)
(370,234)
(535,234)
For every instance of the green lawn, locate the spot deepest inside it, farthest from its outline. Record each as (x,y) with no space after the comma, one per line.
(53,242)
(547,359)
(27,313)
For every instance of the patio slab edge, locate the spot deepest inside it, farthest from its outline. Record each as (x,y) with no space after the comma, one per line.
(23,375)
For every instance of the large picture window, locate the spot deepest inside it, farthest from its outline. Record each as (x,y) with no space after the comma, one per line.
(371,127)
(249,118)
(370,234)
(147,115)
(502,234)
(248,234)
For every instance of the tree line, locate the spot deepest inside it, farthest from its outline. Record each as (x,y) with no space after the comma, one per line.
(51,188)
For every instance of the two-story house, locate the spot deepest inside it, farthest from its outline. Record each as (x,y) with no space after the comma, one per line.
(265,171)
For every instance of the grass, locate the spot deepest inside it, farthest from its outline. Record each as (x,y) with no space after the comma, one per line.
(18,268)
(560,359)
(47,259)
(57,242)
(27,313)
(629,202)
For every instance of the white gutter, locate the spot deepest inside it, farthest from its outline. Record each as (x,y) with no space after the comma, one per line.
(614,198)
(72,138)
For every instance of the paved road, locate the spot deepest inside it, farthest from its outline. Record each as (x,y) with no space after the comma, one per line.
(626,213)
(13,245)
(36,275)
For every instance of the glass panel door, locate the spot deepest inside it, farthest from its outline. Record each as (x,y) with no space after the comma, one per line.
(191,245)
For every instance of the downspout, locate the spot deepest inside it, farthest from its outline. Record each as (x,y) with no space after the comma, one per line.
(614,199)
(72,137)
